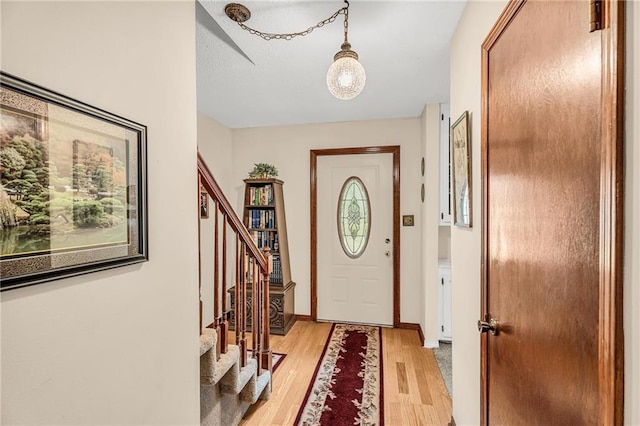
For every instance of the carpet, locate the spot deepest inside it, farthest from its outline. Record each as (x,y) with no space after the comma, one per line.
(346,388)
(443,358)
(276,359)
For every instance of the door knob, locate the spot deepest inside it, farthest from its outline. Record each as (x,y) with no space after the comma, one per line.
(492,325)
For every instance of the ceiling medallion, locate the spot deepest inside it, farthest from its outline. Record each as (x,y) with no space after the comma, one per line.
(237,12)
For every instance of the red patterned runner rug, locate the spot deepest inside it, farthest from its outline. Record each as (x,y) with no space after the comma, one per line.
(347,385)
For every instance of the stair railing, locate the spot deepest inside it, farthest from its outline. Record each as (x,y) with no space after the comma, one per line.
(252,267)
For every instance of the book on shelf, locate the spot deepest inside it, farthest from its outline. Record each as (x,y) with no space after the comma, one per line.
(262,219)
(261,195)
(276,274)
(265,239)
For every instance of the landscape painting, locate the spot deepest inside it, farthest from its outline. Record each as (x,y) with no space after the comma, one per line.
(69,187)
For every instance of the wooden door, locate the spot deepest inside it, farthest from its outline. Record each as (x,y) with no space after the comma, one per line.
(552,216)
(355,233)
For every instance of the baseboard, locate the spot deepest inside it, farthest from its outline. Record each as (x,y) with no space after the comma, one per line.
(431,344)
(412,326)
(303,317)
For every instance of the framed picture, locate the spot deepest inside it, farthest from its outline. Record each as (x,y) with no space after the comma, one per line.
(461,159)
(72,187)
(204,204)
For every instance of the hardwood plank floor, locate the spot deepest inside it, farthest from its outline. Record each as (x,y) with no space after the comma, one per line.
(414,392)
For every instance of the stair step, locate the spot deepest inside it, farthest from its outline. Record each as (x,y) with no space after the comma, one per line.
(208,339)
(226,390)
(211,372)
(237,378)
(257,388)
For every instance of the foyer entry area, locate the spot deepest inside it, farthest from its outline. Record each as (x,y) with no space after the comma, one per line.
(413,389)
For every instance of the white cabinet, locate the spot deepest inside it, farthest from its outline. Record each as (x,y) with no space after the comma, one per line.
(445,166)
(444,301)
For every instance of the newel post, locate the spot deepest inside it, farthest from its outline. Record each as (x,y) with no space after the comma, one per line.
(266,349)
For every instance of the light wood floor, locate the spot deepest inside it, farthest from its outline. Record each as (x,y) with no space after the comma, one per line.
(414,392)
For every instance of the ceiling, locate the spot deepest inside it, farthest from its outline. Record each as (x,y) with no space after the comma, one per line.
(245,81)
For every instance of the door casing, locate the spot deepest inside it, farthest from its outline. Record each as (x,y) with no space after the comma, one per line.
(395,151)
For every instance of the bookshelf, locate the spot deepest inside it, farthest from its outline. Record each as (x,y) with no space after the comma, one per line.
(264,216)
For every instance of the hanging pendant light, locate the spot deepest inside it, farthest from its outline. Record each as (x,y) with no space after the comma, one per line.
(346,76)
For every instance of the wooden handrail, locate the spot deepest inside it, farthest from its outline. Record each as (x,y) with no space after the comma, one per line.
(211,186)
(250,262)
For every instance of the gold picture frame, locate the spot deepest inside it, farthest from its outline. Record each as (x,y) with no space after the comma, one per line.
(461,166)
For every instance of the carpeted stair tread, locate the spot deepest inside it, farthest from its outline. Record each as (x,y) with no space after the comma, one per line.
(257,388)
(237,378)
(226,390)
(211,372)
(208,340)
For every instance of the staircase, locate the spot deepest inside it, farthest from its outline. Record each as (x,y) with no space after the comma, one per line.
(227,389)
(232,377)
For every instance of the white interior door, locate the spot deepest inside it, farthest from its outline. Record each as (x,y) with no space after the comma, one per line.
(355,276)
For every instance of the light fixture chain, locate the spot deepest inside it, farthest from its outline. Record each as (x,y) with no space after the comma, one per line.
(289,36)
(346,21)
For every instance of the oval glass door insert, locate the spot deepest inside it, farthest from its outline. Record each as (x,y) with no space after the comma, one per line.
(354,217)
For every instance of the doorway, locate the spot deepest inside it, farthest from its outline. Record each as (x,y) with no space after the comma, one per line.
(355,226)
(346,276)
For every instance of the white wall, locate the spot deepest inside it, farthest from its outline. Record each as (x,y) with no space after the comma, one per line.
(430,126)
(444,242)
(475,24)
(423,220)
(120,346)
(287,147)
(214,143)
(632,221)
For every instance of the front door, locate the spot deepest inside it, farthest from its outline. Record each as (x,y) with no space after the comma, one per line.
(552,213)
(355,238)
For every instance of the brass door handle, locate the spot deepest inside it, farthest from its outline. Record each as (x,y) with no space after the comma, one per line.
(493,325)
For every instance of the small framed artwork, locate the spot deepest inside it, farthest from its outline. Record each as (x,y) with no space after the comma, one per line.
(461,159)
(72,187)
(204,204)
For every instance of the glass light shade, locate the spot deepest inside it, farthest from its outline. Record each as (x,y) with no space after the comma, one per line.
(346,78)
